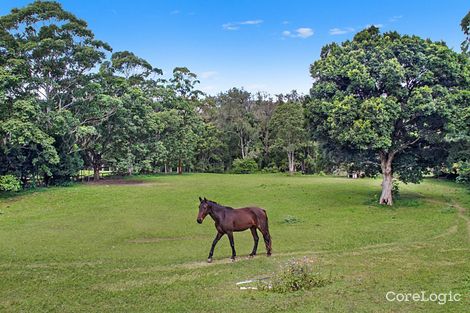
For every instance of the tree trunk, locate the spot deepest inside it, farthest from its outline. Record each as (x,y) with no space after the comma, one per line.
(290,157)
(387,182)
(180,167)
(242,146)
(96,172)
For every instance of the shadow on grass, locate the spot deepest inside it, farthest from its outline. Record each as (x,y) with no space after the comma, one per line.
(403,200)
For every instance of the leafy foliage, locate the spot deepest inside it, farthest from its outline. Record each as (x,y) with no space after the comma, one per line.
(244,166)
(295,275)
(9,183)
(388,99)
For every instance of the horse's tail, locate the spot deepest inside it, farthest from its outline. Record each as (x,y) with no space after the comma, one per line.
(266,217)
(264,228)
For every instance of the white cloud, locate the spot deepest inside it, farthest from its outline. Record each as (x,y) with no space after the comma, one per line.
(235,26)
(208,74)
(302,32)
(230,26)
(252,22)
(341,31)
(175,12)
(285,22)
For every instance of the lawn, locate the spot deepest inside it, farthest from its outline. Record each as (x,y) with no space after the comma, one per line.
(136,247)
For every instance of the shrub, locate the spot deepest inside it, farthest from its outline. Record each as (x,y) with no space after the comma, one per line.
(9,183)
(395,188)
(464,173)
(244,166)
(271,168)
(297,274)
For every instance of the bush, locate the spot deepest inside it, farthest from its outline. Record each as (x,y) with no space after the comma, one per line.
(395,188)
(271,168)
(464,173)
(9,183)
(244,166)
(297,274)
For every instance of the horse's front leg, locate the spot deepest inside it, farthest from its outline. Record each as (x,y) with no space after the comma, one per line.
(232,244)
(216,239)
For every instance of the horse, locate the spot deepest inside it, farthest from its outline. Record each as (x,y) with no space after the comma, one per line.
(228,220)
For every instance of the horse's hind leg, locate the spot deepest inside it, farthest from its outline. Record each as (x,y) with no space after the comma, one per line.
(255,238)
(263,227)
(232,244)
(267,242)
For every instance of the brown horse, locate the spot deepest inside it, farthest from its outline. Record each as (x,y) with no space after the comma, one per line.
(228,220)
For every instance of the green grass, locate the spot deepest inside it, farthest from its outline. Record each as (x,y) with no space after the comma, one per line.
(138,248)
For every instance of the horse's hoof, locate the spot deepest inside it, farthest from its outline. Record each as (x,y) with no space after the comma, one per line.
(232,259)
(209,260)
(269,254)
(252,255)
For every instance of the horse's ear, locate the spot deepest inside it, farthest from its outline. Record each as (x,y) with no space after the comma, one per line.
(205,199)
(200,199)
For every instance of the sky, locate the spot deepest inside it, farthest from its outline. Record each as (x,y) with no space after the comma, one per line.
(258,45)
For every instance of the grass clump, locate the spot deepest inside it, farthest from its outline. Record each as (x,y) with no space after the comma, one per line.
(448,209)
(290,219)
(295,275)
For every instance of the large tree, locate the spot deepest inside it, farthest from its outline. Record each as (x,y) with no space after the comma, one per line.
(389,99)
(465,25)
(52,52)
(123,108)
(237,119)
(288,130)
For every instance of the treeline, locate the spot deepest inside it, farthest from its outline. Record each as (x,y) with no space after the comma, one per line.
(68,103)
(380,103)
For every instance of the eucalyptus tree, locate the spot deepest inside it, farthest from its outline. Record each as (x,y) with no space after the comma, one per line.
(263,109)
(388,98)
(182,121)
(123,111)
(237,119)
(288,130)
(465,25)
(53,53)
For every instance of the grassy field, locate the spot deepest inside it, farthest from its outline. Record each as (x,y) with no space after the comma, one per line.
(136,247)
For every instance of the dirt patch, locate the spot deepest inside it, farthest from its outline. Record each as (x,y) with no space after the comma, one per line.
(121,181)
(461,213)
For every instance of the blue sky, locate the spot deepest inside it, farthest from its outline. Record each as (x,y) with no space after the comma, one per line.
(258,45)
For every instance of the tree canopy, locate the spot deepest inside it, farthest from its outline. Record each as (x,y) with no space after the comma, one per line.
(390,99)
(380,103)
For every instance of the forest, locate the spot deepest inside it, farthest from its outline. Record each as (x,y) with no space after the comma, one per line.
(381,103)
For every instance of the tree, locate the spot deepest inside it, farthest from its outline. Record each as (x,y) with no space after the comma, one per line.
(287,127)
(52,52)
(236,118)
(264,107)
(465,25)
(388,98)
(183,124)
(123,108)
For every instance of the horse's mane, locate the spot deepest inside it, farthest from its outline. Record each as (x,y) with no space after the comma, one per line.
(219,205)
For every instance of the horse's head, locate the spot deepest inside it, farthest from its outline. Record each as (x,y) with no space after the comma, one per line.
(203,209)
